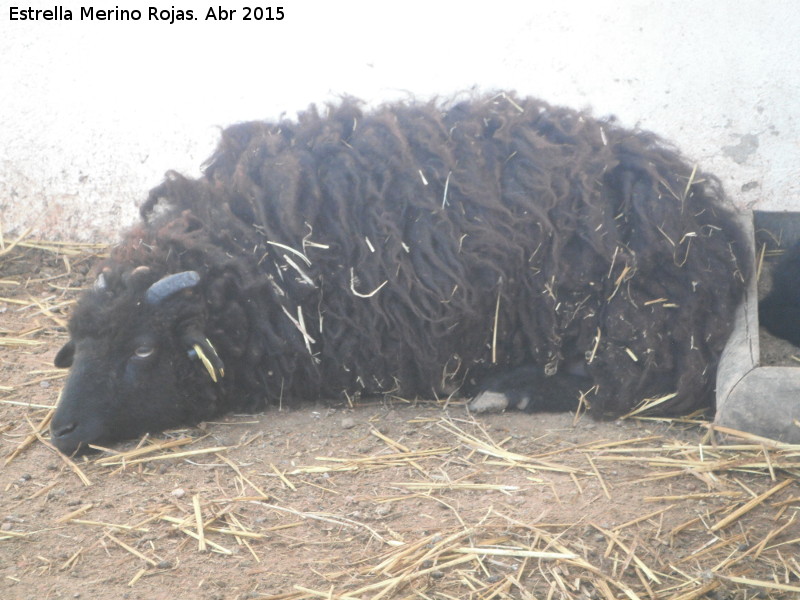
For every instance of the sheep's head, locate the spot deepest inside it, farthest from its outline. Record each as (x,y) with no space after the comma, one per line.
(139,360)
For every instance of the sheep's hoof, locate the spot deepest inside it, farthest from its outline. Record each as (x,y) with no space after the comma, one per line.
(528,389)
(489,401)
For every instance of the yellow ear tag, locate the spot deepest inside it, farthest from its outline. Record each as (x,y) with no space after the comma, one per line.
(207,363)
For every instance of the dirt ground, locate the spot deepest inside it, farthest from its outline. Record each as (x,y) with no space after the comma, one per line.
(391,499)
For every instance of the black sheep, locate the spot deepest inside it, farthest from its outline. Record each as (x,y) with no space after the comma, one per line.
(503,247)
(779,311)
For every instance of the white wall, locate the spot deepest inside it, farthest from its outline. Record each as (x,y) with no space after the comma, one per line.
(93,113)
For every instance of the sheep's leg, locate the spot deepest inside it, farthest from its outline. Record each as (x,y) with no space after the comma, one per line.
(527,388)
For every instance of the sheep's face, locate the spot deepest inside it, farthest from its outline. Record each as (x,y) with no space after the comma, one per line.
(138,361)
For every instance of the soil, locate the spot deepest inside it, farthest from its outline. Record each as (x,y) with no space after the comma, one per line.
(391,499)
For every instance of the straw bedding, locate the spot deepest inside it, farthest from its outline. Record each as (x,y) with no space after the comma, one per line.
(391,501)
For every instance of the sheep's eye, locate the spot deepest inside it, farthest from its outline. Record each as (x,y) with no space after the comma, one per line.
(144,351)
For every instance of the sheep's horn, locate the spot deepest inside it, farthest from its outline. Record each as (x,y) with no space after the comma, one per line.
(169,285)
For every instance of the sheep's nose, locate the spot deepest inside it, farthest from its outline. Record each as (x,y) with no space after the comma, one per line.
(62,430)
(66,437)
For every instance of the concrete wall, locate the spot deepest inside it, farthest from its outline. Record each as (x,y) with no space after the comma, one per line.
(93,113)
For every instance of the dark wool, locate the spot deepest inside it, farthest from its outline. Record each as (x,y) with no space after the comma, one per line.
(779,311)
(408,249)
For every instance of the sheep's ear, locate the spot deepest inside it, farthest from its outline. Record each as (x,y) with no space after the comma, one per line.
(64,357)
(200,348)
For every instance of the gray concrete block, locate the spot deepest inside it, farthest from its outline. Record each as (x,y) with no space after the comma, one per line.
(751,397)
